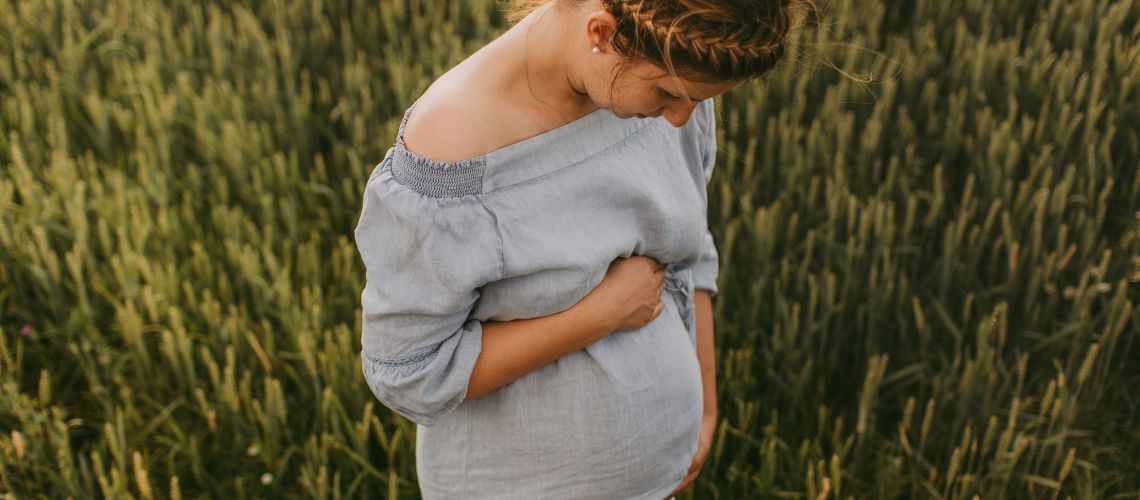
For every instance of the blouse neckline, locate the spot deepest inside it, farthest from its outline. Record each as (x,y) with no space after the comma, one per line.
(520,161)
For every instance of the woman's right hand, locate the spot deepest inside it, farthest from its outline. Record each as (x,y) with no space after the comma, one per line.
(630,293)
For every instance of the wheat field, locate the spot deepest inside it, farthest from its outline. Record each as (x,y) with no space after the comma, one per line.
(928,223)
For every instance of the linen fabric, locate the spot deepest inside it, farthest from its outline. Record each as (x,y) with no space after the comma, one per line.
(524,231)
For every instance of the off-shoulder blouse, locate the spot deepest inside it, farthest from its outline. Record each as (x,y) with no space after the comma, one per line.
(525,231)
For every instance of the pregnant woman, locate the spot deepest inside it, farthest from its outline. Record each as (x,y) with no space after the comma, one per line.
(539,267)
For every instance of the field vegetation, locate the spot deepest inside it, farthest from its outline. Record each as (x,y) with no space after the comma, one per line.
(928,222)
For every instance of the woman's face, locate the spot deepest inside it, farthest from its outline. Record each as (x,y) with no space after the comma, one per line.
(642,89)
(645,90)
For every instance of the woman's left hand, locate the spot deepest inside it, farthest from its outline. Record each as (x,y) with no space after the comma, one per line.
(708,425)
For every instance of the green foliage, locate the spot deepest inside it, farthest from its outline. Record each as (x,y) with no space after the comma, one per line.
(928,277)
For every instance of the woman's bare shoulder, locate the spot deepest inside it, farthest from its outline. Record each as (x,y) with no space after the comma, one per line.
(462,115)
(456,119)
(446,126)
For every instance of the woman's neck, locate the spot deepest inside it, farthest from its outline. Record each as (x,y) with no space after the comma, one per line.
(545,58)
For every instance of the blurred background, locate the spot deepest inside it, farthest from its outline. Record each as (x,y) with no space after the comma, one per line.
(928,223)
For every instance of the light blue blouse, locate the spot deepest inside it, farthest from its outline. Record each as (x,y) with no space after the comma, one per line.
(525,231)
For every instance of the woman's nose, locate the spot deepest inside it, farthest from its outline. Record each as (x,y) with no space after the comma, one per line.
(678,114)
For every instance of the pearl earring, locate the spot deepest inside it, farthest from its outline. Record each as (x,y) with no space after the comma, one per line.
(596,50)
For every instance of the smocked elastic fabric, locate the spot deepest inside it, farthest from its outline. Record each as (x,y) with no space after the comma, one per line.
(435,178)
(439,180)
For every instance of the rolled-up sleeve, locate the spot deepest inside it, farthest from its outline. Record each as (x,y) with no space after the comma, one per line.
(706,268)
(425,258)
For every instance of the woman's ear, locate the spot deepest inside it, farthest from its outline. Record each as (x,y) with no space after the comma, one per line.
(600,27)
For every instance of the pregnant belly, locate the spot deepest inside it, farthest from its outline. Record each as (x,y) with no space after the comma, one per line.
(614,420)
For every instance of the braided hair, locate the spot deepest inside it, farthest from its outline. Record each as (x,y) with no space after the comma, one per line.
(699,40)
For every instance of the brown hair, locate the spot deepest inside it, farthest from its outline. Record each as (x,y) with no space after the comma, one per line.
(707,41)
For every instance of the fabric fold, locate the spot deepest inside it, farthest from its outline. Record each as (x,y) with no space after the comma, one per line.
(679,284)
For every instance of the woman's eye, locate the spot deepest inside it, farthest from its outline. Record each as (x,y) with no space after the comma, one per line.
(667,95)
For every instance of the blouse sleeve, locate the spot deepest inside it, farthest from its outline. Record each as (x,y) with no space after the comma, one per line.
(706,268)
(425,258)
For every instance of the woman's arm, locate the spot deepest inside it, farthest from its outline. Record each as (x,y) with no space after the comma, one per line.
(702,302)
(629,296)
(703,308)
(512,349)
